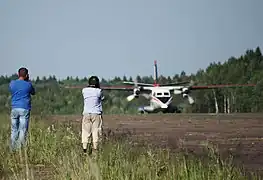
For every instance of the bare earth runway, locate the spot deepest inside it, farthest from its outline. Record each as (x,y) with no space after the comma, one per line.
(238,134)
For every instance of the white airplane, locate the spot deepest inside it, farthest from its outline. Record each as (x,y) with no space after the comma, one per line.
(160,96)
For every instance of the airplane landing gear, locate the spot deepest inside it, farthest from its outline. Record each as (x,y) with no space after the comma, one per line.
(172,109)
(141,110)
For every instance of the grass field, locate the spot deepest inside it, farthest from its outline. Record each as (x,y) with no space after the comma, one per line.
(55,153)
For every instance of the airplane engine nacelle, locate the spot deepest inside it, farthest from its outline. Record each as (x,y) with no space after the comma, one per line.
(185,95)
(185,90)
(136,92)
(177,91)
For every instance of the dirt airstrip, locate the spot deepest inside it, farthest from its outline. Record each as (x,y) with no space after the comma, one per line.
(238,134)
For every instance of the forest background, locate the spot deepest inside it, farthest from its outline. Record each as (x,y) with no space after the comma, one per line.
(53,98)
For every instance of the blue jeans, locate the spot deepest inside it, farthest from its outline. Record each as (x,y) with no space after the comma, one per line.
(19,127)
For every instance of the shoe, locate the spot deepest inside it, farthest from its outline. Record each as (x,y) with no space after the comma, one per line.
(94,154)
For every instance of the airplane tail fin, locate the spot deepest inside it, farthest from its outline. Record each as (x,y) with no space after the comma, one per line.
(155,72)
(167,84)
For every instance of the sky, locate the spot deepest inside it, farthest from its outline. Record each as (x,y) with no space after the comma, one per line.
(111,38)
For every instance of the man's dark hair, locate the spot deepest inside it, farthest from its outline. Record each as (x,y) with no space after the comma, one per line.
(94,82)
(23,72)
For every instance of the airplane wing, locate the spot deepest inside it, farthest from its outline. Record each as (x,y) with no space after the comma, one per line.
(216,86)
(180,89)
(113,88)
(139,84)
(175,84)
(121,88)
(152,85)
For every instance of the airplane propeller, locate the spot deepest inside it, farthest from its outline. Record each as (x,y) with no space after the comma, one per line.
(185,92)
(130,97)
(135,91)
(189,98)
(186,95)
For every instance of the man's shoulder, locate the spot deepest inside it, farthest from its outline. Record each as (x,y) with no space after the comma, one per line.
(13,82)
(91,90)
(98,89)
(84,89)
(20,83)
(27,83)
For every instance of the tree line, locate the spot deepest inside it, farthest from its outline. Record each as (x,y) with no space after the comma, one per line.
(52,98)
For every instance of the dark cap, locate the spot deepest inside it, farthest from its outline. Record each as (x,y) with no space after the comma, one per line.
(94,81)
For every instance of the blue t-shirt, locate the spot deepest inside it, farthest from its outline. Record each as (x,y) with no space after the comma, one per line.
(21,92)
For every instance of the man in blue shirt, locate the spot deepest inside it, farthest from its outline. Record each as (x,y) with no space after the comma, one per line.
(21,91)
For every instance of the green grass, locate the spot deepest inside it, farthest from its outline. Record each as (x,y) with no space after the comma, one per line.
(57,154)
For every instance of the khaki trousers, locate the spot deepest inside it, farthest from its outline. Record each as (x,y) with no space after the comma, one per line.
(91,128)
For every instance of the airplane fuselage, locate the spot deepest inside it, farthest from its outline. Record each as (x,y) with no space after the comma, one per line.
(160,101)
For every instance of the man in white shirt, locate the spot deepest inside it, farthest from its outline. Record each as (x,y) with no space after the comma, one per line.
(92,114)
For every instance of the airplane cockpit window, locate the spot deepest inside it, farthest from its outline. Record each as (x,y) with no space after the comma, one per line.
(159,94)
(166,93)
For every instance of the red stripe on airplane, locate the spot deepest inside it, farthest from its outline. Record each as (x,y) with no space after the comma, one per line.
(156,99)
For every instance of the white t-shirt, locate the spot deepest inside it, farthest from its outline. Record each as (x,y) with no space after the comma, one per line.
(92,100)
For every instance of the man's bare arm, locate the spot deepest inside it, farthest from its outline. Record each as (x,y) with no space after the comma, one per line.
(101,95)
